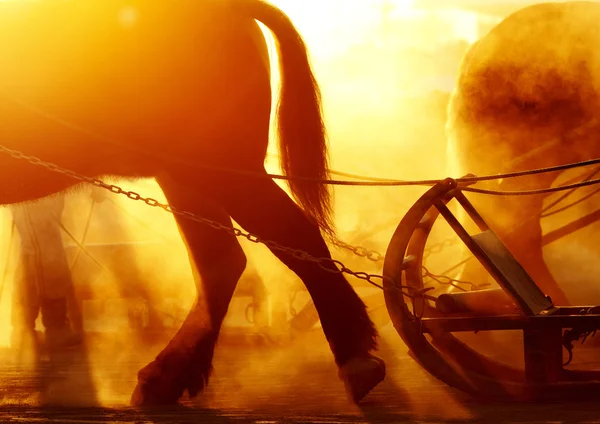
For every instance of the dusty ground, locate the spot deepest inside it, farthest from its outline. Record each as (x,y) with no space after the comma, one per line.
(295,383)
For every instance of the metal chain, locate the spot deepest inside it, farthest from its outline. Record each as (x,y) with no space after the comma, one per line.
(438,247)
(363,252)
(375,256)
(327,264)
(447,281)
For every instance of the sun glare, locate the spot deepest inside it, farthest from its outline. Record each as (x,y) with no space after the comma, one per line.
(128,16)
(329,26)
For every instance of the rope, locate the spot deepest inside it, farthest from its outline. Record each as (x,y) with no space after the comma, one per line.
(570,205)
(84,236)
(365,181)
(383,182)
(82,247)
(532,192)
(545,210)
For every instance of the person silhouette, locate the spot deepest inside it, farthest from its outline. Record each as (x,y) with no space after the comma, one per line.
(44,281)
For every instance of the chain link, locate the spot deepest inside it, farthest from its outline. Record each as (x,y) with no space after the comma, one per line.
(435,248)
(439,247)
(330,265)
(445,280)
(363,252)
(375,256)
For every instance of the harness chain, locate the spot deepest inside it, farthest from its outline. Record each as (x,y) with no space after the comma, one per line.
(375,256)
(363,252)
(338,267)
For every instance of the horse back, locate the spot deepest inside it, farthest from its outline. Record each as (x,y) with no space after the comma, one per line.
(533,80)
(133,70)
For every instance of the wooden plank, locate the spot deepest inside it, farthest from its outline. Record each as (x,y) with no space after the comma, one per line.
(513,276)
(480,302)
(497,260)
(506,322)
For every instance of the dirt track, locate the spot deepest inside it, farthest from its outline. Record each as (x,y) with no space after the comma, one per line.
(295,383)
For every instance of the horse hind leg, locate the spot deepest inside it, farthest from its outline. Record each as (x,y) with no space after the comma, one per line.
(218,261)
(264,209)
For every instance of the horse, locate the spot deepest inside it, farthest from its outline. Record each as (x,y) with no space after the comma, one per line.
(181,92)
(527,97)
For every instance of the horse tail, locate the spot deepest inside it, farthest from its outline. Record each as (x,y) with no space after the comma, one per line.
(301,131)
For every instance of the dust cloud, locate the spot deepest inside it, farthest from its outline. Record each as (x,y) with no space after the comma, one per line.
(525,104)
(385,77)
(386,71)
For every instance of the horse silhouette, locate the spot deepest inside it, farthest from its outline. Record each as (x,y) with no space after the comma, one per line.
(527,97)
(180,91)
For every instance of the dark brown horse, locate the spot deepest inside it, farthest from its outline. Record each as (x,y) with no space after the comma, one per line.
(171,90)
(528,96)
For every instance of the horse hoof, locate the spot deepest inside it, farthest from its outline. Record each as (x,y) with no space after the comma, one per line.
(146,394)
(361,375)
(156,387)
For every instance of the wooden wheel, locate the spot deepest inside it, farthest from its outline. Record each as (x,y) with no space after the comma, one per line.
(427,331)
